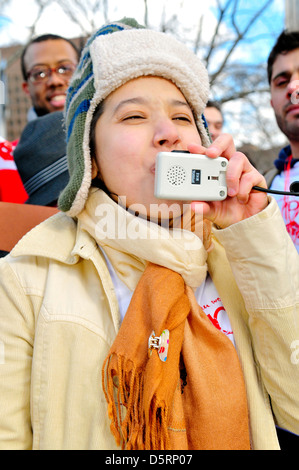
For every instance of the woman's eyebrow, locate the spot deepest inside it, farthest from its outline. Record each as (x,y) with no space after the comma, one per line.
(136,100)
(143,101)
(179,103)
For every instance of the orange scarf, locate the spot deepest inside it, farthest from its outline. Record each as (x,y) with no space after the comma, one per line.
(194,400)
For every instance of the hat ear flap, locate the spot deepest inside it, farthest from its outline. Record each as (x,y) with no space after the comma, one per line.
(80,94)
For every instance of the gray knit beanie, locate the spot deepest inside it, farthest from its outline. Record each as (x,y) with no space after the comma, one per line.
(115,54)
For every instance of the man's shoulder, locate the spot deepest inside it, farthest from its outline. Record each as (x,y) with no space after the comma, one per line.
(270,174)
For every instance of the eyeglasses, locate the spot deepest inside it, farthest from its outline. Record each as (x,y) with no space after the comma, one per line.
(41,73)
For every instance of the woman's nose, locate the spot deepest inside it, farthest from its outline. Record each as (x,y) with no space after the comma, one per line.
(166,134)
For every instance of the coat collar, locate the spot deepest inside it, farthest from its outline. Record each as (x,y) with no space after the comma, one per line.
(57,238)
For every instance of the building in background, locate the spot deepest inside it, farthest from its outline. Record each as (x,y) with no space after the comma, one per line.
(292,15)
(16,103)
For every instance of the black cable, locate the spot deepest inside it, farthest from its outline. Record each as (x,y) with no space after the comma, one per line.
(294,190)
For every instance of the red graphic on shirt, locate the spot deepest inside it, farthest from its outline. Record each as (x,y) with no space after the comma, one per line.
(290,211)
(290,208)
(214,320)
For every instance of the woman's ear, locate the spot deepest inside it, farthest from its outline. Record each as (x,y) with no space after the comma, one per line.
(94,169)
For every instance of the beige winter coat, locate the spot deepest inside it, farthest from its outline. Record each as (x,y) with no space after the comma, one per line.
(59,316)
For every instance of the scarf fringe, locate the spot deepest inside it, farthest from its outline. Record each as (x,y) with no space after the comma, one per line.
(133,426)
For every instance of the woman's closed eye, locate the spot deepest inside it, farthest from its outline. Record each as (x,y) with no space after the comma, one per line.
(133,116)
(183,118)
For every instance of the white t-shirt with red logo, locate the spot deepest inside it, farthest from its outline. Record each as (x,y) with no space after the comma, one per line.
(289,205)
(206,296)
(209,300)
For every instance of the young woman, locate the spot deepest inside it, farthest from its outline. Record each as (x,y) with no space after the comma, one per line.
(137,323)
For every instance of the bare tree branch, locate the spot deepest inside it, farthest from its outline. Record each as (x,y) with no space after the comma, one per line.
(230,79)
(198,36)
(239,37)
(71,12)
(105,10)
(42,4)
(145,13)
(242,94)
(222,12)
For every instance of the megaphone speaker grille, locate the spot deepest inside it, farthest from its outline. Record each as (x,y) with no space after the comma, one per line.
(176,175)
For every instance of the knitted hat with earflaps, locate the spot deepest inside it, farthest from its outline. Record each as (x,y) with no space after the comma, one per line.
(114,55)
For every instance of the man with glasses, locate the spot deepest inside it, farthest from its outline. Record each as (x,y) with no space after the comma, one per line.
(47,64)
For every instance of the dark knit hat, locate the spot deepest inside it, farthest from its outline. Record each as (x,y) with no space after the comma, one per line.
(114,55)
(40,157)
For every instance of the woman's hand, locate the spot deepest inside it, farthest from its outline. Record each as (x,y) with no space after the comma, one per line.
(242,202)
